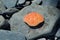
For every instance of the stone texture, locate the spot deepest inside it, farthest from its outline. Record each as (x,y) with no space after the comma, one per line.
(1,20)
(10,11)
(7,14)
(46,2)
(8,35)
(9,3)
(50,2)
(21,1)
(58,33)
(50,14)
(36,1)
(2,7)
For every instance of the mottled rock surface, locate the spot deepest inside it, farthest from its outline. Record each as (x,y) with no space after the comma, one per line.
(50,14)
(8,35)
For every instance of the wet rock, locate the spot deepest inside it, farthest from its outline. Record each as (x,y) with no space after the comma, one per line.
(8,35)
(1,20)
(9,3)
(50,14)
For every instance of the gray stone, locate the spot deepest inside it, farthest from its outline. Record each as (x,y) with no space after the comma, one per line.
(2,7)
(50,2)
(36,1)
(58,33)
(21,1)
(8,35)
(11,10)
(1,20)
(50,14)
(27,3)
(46,2)
(9,3)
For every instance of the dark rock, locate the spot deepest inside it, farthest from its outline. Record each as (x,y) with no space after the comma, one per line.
(5,25)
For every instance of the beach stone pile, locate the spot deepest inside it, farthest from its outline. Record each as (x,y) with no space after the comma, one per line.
(12,26)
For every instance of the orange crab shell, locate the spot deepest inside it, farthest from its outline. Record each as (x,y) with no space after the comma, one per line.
(33,18)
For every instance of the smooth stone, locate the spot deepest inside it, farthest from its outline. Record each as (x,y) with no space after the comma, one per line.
(50,13)
(8,35)
(21,1)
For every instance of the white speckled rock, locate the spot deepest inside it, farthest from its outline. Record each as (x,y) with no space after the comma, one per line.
(8,35)
(1,20)
(9,3)
(50,14)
